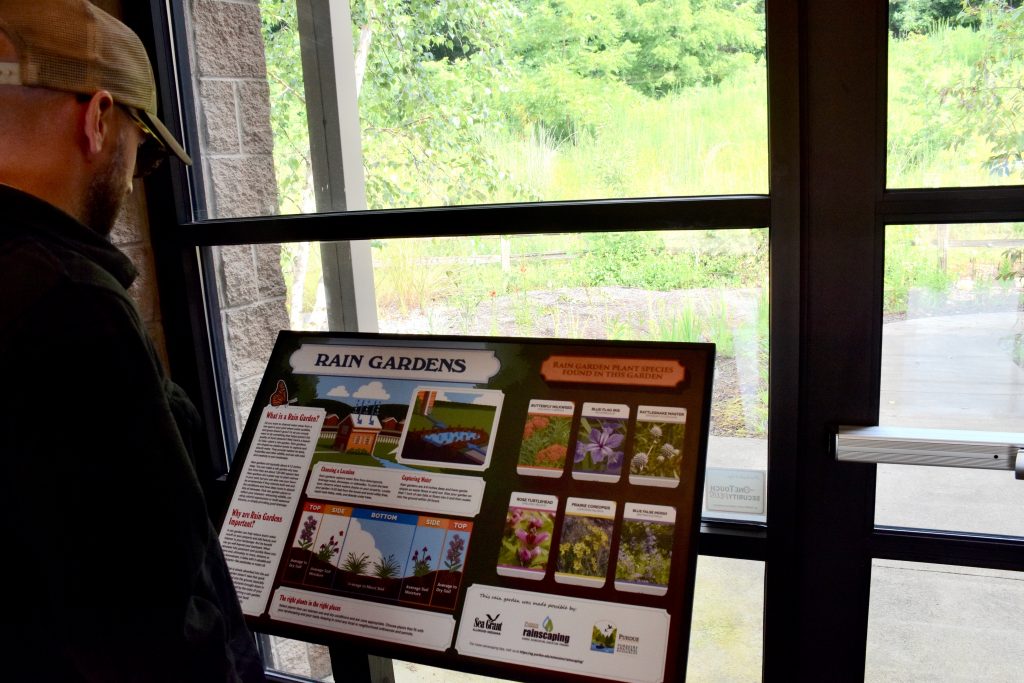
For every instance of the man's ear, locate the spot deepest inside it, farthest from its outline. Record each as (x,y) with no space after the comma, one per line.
(98,124)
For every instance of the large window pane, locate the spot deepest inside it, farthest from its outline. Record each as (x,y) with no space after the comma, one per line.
(955,93)
(698,285)
(953,358)
(930,622)
(466,102)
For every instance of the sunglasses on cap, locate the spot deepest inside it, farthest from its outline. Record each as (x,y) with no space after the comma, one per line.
(152,152)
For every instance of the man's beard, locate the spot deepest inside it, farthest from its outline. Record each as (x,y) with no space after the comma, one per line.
(106,192)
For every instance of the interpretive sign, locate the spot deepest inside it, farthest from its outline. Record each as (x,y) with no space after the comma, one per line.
(525,508)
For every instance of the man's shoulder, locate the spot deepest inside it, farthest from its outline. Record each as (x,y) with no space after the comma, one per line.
(32,271)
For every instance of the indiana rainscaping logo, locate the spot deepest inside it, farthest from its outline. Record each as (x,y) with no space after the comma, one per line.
(544,633)
(488,625)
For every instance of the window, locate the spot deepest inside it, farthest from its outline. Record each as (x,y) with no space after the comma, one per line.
(954,93)
(952,358)
(879,163)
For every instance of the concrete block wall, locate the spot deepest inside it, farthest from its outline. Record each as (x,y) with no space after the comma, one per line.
(230,82)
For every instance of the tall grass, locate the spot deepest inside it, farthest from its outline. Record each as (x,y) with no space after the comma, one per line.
(704,140)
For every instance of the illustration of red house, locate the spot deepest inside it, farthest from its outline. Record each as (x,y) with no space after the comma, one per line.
(357,433)
(329,432)
(391,431)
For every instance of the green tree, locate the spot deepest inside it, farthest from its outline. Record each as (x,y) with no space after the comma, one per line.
(427,98)
(990,101)
(921,16)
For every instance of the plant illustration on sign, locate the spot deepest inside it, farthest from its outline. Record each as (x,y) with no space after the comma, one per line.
(328,550)
(527,539)
(454,554)
(356,563)
(645,553)
(658,450)
(307,532)
(421,560)
(544,441)
(585,546)
(599,446)
(386,567)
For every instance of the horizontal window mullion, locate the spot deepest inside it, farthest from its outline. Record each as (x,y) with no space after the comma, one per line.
(960,205)
(969,550)
(746,211)
(736,541)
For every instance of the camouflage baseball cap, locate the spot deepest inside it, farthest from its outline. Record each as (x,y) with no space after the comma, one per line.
(73,46)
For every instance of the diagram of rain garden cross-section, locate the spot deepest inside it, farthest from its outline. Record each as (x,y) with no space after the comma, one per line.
(375,553)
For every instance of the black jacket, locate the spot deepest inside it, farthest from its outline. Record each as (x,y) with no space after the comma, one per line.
(112,570)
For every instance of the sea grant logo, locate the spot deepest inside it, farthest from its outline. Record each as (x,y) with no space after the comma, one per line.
(488,625)
(544,632)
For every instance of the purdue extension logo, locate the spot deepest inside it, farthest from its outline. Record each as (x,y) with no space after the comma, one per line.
(490,625)
(544,632)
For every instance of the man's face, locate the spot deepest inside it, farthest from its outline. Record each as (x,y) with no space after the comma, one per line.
(112,182)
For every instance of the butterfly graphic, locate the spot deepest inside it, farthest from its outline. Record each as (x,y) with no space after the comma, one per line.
(280,395)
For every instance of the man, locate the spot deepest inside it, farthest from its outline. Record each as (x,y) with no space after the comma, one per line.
(111,569)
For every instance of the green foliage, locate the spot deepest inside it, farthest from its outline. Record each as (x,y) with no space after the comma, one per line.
(626,259)
(427,98)
(645,552)
(386,567)
(585,546)
(357,564)
(545,439)
(287,104)
(990,101)
(922,16)
(912,260)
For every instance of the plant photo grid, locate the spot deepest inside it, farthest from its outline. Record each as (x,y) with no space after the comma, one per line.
(542,452)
